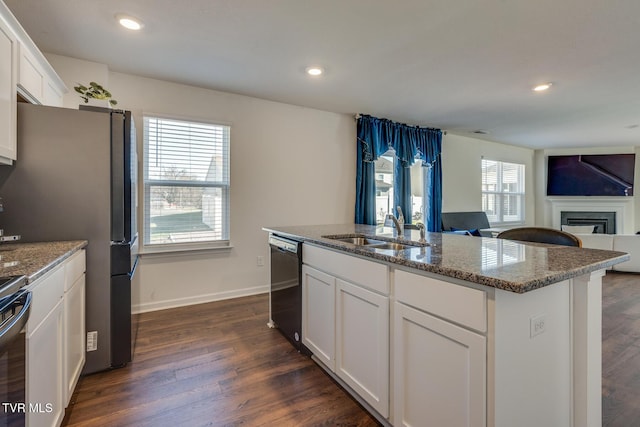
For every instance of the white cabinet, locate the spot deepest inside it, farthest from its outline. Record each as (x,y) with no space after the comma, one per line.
(23,69)
(439,372)
(439,362)
(345,321)
(74,323)
(362,343)
(318,314)
(55,341)
(44,351)
(37,82)
(8,76)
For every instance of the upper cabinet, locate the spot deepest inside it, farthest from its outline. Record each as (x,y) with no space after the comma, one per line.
(8,78)
(23,70)
(37,81)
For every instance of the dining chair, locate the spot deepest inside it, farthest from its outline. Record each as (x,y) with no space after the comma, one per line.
(541,235)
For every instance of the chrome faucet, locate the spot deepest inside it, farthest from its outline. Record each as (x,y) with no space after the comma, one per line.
(399,227)
(398,222)
(422,232)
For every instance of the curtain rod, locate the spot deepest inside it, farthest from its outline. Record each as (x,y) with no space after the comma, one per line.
(358,115)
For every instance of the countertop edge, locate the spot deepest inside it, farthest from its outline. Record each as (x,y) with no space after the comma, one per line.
(77,246)
(519,287)
(36,259)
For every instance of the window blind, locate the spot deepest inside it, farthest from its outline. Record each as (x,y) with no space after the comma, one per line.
(503,191)
(186,182)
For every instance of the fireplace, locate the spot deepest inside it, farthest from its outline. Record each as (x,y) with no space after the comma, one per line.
(604,222)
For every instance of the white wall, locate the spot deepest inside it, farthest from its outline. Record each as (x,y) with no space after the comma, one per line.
(461,172)
(77,71)
(289,165)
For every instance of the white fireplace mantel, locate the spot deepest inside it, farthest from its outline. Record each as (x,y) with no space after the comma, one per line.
(622,206)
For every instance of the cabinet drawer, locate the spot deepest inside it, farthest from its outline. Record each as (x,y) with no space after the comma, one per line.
(369,274)
(75,268)
(459,304)
(46,292)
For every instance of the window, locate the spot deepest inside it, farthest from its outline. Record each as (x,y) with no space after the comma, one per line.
(186,183)
(503,191)
(384,172)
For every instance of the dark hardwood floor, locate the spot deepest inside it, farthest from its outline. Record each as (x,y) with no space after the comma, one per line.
(218,364)
(621,350)
(215,364)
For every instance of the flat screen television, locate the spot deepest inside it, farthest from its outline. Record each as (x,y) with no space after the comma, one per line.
(591,175)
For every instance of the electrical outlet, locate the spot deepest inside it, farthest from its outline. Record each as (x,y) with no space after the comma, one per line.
(92,341)
(538,324)
(260,261)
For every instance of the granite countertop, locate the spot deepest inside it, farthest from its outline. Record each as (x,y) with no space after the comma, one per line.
(503,264)
(35,259)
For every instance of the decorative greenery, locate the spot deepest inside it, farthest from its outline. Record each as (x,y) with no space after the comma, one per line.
(95,91)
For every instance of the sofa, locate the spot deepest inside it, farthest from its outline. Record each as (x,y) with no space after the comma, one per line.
(629,243)
(466,223)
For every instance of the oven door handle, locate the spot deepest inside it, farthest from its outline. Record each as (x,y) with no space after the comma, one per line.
(14,326)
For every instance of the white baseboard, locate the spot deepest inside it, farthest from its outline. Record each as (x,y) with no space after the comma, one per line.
(198,299)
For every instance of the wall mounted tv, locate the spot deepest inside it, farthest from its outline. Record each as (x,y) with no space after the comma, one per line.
(591,175)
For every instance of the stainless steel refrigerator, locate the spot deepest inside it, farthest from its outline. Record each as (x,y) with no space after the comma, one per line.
(75,178)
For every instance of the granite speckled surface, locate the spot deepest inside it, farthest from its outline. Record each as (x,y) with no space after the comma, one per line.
(35,259)
(504,264)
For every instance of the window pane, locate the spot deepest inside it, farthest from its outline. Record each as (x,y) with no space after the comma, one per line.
(384,185)
(511,208)
(490,207)
(417,192)
(186,214)
(489,175)
(186,151)
(186,181)
(503,191)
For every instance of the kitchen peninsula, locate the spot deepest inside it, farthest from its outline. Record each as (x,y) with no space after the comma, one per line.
(456,330)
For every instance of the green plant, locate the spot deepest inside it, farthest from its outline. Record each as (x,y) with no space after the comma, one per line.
(95,91)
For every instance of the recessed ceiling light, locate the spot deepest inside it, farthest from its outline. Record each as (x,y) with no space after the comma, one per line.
(129,22)
(314,71)
(542,87)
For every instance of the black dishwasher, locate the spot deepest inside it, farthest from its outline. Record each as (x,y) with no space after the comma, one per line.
(286,288)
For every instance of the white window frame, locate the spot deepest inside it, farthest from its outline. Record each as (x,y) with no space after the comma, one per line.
(224,185)
(501,193)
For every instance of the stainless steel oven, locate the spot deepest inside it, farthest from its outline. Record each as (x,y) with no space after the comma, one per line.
(15,304)
(286,288)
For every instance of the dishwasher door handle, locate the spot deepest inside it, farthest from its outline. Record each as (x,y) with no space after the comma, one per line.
(14,326)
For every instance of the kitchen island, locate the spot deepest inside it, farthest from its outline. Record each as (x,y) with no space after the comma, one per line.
(456,330)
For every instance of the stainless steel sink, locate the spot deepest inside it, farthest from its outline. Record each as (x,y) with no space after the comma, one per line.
(360,241)
(370,243)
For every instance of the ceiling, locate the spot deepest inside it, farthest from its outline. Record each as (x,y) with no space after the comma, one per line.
(461,66)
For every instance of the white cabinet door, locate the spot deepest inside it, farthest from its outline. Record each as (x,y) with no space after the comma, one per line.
(44,371)
(74,328)
(439,372)
(318,314)
(30,76)
(8,77)
(362,343)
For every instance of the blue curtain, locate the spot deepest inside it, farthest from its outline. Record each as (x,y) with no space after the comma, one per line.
(373,140)
(375,137)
